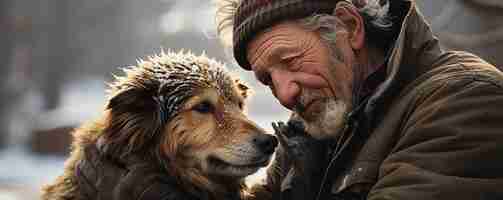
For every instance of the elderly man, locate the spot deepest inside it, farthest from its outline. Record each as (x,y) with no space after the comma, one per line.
(388,114)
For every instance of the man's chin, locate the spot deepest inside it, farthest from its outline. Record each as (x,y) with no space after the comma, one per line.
(322,132)
(328,123)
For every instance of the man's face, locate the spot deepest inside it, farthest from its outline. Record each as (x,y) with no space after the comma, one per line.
(305,75)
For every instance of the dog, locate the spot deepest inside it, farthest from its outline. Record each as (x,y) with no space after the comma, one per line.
(173,125)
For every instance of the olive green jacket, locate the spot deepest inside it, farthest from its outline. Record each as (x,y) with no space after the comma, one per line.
(432,130)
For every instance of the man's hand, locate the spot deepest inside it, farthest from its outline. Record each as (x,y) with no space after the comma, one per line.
(305,152)
(307,156)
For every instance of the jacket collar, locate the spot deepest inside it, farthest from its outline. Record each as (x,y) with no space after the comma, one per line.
(413,53)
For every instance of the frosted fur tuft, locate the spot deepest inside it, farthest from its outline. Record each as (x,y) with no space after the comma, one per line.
(171,77)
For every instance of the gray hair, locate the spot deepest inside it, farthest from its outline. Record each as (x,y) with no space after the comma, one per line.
(375,13)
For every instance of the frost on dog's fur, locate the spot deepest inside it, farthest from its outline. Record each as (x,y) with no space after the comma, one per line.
(178,74)
(170,78)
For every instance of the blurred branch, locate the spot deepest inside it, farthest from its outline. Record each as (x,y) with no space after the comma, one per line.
(97,13)
(459,40)
(492,3)
(449,11)
(453,7)
(472,40)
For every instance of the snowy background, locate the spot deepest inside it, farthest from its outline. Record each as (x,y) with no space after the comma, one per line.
(56,56)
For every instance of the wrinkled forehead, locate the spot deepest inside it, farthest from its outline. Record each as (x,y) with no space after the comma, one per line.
(275,36)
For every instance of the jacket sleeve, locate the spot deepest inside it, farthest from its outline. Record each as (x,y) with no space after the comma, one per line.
(451,147)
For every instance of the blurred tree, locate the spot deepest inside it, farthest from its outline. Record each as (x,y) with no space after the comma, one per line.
(6,43)
(60,54)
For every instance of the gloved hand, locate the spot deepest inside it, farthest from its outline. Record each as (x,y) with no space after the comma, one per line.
(307,156)
(304,151)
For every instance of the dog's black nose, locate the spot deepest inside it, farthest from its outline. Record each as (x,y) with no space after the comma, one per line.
(267,143)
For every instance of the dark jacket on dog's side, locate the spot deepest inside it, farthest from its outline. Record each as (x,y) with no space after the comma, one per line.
(101,177)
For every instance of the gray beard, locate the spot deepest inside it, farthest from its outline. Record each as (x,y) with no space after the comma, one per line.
(330,122)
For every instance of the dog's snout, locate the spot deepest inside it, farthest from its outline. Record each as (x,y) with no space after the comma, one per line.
(267,143)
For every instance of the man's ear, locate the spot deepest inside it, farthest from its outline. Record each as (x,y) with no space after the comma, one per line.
(348,14)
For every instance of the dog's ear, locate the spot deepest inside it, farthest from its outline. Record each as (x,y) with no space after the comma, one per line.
(131,126)
(132,98)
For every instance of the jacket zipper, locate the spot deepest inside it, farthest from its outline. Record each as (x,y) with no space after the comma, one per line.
(337,152)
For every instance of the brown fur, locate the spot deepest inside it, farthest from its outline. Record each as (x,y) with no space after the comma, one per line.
(183,146)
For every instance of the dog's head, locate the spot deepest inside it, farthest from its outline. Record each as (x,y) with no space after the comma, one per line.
(185,111)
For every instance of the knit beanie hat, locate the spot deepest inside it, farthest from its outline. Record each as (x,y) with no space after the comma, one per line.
(253,16)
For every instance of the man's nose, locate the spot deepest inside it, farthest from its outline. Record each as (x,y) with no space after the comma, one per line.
(285,88)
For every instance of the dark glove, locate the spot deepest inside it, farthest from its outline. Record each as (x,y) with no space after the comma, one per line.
(308,157)
(305,152)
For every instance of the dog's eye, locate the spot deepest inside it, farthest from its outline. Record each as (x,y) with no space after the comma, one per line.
(203,107)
